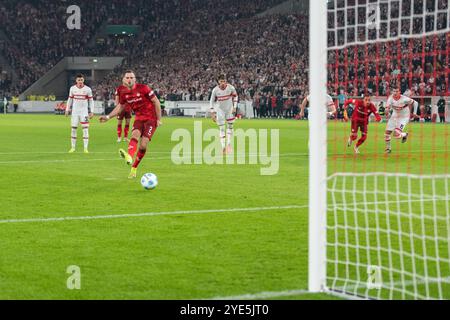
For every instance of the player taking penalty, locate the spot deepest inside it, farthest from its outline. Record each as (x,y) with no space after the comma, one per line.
(143,101)
(360,119)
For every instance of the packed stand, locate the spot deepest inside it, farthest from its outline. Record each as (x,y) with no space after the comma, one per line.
(39,38)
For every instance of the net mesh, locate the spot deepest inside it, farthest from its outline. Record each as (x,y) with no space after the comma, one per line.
(388,236)
(388,221)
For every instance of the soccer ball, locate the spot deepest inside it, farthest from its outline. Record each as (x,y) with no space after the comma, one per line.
(149,181)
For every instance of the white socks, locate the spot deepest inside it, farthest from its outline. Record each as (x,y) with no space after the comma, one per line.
(74,137)
(222,136)
(86,137)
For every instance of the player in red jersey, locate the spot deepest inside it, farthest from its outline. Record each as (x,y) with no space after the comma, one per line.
(143,101)
(360,119)
(125,114)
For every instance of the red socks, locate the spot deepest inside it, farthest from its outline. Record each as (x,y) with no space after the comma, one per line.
(119,130)
(132,147)
(361,141)
(125,132)
(140,156)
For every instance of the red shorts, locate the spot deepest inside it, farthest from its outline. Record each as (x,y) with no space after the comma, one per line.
(146,127)
(124,115)
(361,125)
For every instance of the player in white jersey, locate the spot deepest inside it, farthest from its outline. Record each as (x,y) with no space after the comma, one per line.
(223,103)
(81,103)
(401,106)
(331,107)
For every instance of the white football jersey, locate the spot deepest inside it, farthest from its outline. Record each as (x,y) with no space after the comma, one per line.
(225,99)
(329,102)
(400,104)
(80,99)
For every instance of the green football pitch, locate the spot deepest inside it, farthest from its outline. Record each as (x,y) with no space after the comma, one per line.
(206,231)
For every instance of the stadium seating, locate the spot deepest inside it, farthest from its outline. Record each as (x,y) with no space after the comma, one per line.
(184,45)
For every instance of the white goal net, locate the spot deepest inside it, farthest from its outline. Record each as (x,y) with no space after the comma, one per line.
(380,222)
(388,236)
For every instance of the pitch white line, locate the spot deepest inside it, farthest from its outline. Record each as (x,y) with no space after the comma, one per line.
(264,295)
(287,155)
(149,214)
(115,152)
(55,161)
(194,153)
(61,152)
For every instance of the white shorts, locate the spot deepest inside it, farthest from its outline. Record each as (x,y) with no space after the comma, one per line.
(79,117)
(225,116)
(434,109)
(398,120)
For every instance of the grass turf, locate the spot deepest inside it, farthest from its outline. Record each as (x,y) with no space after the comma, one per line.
(179,256)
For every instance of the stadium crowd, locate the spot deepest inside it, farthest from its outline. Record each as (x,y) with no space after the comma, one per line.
(251,60)
(419,64)
(185,44)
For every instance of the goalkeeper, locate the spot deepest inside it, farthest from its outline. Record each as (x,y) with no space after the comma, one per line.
(360,119)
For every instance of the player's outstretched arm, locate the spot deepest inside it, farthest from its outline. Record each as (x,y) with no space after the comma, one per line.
(387,112)
(235,100)
(118,109)
(373,109)
(157,105)
(332,108)
(378,117)
(90,104)
(213,115)
(388,108)
(69,103)
(211,105)
(411,106)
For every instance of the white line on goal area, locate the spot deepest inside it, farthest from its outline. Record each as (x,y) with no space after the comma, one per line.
(265,295)
(331,292)
(150,214)
(289,293)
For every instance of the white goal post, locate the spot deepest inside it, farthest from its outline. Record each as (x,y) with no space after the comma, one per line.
(317,145)
(373,235)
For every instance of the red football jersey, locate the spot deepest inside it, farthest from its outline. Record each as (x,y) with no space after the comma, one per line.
(139,100)
(361,112)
